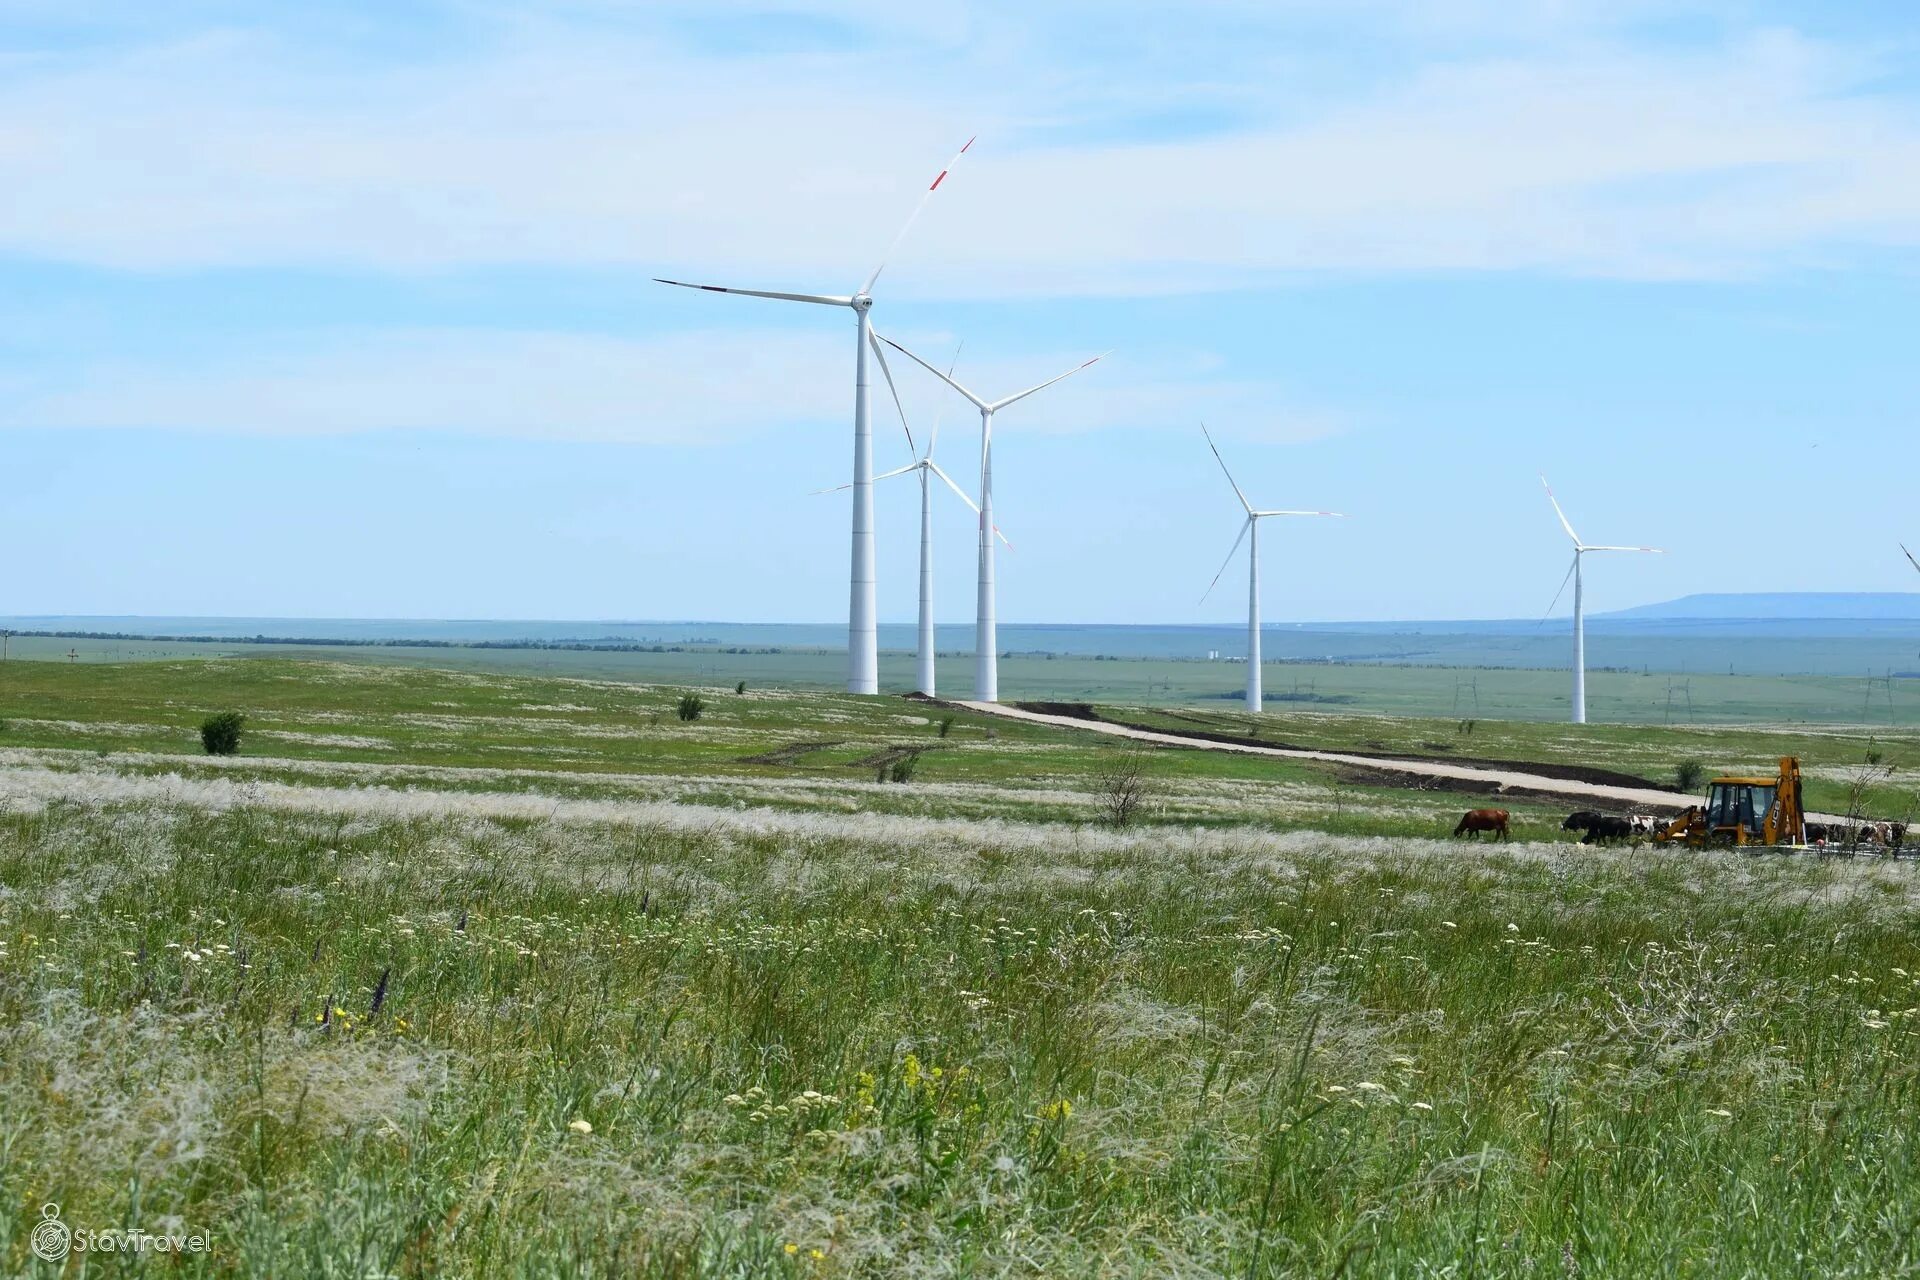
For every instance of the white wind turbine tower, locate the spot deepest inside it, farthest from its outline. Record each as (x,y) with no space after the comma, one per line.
(863,646)
(986,655)
(927,467)
(1579,613)
(1251,529)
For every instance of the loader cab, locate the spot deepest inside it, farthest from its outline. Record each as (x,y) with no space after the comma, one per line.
(1737,808)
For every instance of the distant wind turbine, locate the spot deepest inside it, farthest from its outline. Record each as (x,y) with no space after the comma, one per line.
(986,657)
(1579,616)
(926,466)
(1255,695)
(863,645)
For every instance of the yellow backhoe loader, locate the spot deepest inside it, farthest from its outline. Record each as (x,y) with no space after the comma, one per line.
(1744,811)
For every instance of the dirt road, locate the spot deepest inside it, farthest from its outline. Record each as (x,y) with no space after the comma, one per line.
(1494,780)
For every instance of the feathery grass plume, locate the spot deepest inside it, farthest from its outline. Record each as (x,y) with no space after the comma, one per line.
(946,1029)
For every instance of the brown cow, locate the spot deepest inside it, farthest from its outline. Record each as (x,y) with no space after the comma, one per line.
(1477,820)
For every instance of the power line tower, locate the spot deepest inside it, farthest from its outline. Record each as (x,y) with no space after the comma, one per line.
(1472,686)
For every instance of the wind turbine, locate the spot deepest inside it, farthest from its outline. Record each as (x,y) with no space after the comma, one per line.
(1579,616)
(986,653)
(1910,559)
(863,646)
(1255,695)
(927,467)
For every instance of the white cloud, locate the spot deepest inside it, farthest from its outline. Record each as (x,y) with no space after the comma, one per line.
(589,144)
(698,387)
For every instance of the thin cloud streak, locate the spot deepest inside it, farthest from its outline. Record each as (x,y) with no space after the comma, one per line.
(688,388)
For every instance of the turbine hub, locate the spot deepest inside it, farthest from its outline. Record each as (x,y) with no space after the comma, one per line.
(862,301)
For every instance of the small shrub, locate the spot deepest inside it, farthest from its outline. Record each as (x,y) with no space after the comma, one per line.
(1688,775)
(220,734)
(740,687)
(902,769)
(691,705)
(1123,783)
(946,725)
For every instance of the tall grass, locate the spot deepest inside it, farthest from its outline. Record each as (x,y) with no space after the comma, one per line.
(817,1050)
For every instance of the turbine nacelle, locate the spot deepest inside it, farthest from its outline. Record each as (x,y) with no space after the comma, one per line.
(1579,616)
(1253,515)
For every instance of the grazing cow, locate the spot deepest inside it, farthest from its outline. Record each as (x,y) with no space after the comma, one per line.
(1477,820)
(1885,835)
(1599,827)
(1644,824)
(1888,835)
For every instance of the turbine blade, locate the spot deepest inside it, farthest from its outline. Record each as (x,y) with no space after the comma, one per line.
(932,187)
(1233,551)
(1223,469)
(1655,550)
(884,475)
(873,340)
(1910,559)
(1556,595)
(977,401)
(1001,404)
(934,438)
(1003,537)
(1341,514)
(1558,512)
(958,492)
(824,299)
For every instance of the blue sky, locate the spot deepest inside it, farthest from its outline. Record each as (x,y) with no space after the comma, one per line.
(374,280)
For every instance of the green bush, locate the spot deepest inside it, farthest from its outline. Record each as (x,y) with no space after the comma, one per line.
(220,734)
(902,769)
(691,705)
(1688,774)
(741,687)
(946,725)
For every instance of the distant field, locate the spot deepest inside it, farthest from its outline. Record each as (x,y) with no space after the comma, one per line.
(469,972)
(1502,692)
(385,718)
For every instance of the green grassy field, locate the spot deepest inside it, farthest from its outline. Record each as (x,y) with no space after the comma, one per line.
(1495,692)
(485,974)
(802,748)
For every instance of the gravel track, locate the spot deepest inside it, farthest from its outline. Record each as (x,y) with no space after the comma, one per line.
(1494,780)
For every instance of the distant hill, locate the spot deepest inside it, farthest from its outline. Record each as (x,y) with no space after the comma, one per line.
(1904,605)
